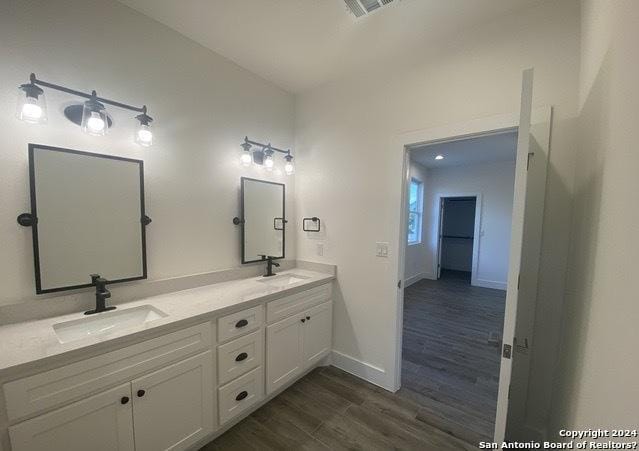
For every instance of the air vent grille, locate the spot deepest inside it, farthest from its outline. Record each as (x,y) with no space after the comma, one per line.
(360,8)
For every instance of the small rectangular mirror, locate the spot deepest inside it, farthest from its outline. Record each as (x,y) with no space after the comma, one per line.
(264,219)
(89,218)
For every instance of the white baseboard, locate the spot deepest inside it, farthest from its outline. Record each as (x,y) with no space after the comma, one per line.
(363,370)
(417,277)
(490,284)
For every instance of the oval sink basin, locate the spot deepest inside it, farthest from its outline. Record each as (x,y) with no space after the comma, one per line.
(283,281)
(105,323)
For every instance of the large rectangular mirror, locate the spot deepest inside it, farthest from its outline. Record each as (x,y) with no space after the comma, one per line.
(89,218)
(264,223)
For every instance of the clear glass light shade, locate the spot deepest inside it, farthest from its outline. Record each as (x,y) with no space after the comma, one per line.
(289,167)
(31,108)
(144,135)
(94,119)
(246,158)
(268,162)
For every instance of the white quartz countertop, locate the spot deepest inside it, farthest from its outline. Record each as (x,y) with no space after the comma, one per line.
(32,342)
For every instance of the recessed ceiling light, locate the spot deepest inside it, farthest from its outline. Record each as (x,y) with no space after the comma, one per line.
(439,157)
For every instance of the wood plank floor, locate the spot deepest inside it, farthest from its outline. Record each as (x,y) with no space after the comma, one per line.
(448,390)
(332,410)
(451,353)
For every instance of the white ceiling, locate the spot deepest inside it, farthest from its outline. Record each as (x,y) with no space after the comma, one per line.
(484,149)
(298,44)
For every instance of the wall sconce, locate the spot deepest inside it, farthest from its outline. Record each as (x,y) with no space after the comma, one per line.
(263,154)
(91,115)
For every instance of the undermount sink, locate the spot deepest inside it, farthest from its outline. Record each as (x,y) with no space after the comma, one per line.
(284,280)
(104,323)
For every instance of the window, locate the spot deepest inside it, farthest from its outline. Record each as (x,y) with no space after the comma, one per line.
(415,210)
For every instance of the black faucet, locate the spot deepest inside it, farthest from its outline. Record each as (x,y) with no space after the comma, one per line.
(269,265)
(101,295)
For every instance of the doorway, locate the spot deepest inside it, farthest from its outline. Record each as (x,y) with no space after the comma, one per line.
(458,225)
(452,326)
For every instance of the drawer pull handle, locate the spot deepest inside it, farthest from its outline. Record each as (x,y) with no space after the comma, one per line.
(141,393)
(308,318)
(124,400)
(303,320)
(241,395)
(241,323)
(241,357)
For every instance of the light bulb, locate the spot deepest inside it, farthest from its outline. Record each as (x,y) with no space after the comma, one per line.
(289,168)
(245,158)
(268,162)
(439,157)
(31,107)
(31,111)
(144,136)
(95,123)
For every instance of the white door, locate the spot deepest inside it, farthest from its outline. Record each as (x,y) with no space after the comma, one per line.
(516,241)
(284,353)
(317,333)
(173,407)
(102,422)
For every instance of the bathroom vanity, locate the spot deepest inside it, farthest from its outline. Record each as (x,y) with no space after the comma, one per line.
(153,372)
(206,358)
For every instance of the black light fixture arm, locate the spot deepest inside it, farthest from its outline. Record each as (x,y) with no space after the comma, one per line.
(34,80)
(265,146)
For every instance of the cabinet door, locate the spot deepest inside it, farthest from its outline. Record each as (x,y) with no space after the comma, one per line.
(283,351)
(318,333)
(173,407)
(102,422)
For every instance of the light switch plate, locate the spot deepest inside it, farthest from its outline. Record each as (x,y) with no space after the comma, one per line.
(320,249)
(381,249)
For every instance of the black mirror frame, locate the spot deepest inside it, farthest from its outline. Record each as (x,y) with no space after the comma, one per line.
(144,219)
(241,220)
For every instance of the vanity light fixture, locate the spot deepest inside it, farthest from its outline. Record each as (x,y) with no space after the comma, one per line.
(263,154)
(289,167)
(268,158)
(439,157)
(91,115)
(143,134)
(31,107)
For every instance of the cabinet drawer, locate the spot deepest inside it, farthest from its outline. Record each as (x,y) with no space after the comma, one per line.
(289,305)
(239,395)
(71,382)
(239,356)
(239,323)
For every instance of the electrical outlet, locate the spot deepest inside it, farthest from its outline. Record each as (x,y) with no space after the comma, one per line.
(381,249)
(320,249)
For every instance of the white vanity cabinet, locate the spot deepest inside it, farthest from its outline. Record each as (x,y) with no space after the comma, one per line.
(175,391)
(170,407)
(102,422)
(301,339)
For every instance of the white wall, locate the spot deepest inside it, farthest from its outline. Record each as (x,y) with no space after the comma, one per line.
(203,107)
(416,264)
(597,384)
(350,176)
(495,182)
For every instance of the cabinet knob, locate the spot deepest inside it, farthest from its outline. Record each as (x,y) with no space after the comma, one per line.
(124,400)
(241,323)
(141,393)
(241,357)
(241,395)
(308,317)
(303,320)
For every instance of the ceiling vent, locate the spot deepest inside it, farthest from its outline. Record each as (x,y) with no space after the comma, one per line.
(361,8)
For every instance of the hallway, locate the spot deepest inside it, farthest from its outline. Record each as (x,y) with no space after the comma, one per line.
(451,354)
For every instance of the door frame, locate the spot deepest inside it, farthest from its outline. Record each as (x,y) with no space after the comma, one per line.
(439,200)
(403,143)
